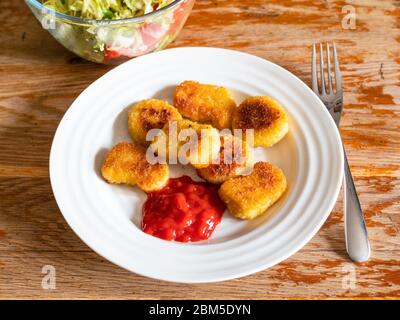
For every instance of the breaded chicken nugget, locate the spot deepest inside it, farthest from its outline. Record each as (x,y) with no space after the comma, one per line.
(126,163)
(191,142)
(266,116)
(149,114)
(235,157)
(205,103)
(247,197)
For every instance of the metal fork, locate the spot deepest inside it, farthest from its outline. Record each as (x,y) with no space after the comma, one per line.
(357,243)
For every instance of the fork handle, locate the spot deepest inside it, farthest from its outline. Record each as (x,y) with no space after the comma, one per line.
(357,243)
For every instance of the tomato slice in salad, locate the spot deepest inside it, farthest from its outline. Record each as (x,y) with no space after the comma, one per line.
(110,54)
(152,32)
(177,18)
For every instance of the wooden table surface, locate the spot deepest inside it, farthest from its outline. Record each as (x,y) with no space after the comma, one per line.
(40,79)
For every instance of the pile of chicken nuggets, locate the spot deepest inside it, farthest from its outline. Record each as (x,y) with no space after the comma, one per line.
(206,108)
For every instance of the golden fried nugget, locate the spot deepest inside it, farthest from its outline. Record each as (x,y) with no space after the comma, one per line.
(247,197)
(266,116)
(126,163)
(205,103)
(193,143)
(149,114)
(235,157)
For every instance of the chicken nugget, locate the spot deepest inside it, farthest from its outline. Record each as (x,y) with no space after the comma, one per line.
(235,157)
(205,103)
(265,116)
(149,114)
(247,197)
(126,164)
(190,142)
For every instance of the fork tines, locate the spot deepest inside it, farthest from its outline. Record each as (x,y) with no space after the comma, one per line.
(319,87)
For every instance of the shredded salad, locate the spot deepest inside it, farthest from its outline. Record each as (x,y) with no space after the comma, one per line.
(102,43)
(105,9)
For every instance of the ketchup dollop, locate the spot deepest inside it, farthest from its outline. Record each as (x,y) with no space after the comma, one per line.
(184,210)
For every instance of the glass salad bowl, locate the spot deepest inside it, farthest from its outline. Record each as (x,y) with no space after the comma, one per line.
(114,41)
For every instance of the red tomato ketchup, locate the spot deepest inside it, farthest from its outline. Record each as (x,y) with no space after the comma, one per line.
(183,211)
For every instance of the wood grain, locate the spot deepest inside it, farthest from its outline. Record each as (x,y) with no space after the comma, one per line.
(40,79)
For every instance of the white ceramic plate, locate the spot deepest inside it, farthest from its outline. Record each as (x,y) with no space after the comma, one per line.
(107,217)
